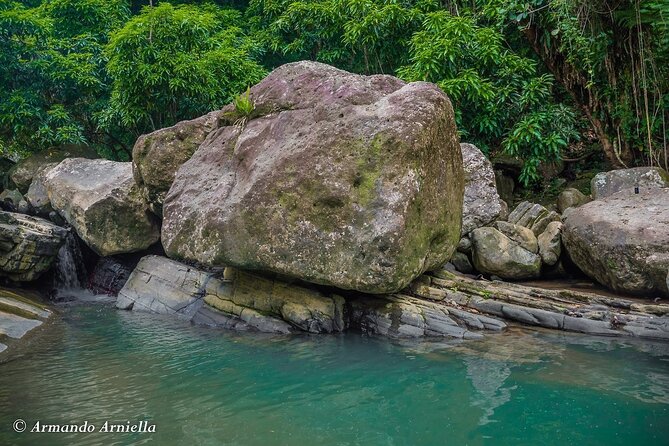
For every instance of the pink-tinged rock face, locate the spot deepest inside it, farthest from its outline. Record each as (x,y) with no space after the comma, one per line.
(334,178)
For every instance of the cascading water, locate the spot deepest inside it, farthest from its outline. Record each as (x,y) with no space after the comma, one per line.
(70,271)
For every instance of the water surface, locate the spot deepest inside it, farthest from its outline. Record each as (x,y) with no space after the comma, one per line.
(207,387)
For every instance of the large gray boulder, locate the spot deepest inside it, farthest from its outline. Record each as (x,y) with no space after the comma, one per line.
(496,254)
(101,201)
(622,241)
(28,246)
(334,178)
(235,299)
(157,156)
(605,184)
(482,204)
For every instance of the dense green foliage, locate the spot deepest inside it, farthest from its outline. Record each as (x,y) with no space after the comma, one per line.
(527,77)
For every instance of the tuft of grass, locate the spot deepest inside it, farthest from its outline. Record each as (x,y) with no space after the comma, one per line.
(244,106)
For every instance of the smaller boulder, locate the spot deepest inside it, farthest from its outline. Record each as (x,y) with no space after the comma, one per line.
(494,253)
(465,245)
(28,246)
(570,198)
(482,204)
(550,243)
(605,184)
(100,200)
(622,241)
(37,195)
(156,157)
(12,196)
(533,216)
(523,236)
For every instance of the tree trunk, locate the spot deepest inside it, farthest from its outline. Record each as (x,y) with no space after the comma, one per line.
(575,82)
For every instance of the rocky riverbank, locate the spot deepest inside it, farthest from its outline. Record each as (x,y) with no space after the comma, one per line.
(339,202)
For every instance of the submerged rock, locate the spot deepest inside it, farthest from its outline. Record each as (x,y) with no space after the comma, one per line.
(28,246)
(622,241)
(156,157)
(101,201)
(605,184)
(237,300)
(482,205)
(19,314)
(334,178)
(494,253)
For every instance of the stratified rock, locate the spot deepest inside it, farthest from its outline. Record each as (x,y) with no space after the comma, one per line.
(24,171)
(482,204)
(570,197)
(37,195)
(335,178)
(157,156)
(622,241)
(160,285)
(400,316)
(533,216)
(100,199)
(560,309)
(523,236)
(605,184)
(306,309)
(237,300)
(550,243)
(28,246)
(496,254)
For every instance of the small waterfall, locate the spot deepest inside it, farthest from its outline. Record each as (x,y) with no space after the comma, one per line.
(70,270)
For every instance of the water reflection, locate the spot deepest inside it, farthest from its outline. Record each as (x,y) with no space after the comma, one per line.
(206,387)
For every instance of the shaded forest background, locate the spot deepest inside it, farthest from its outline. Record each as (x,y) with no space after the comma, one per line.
(539,80)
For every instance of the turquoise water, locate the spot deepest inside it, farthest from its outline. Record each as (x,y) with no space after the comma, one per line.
(207,387)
